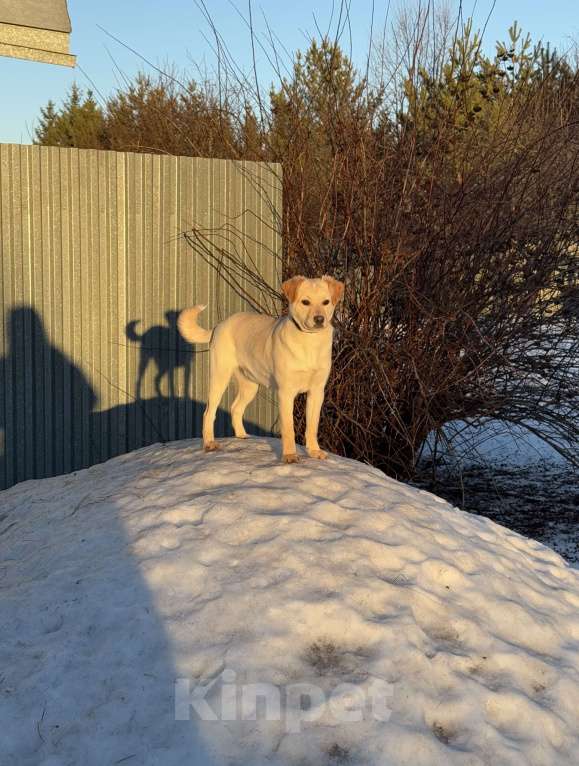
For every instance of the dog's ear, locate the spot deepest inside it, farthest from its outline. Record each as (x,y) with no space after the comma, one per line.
(290,287)
(336,288)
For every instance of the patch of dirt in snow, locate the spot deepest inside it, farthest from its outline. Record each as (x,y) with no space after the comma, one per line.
(173,607)
(539,500)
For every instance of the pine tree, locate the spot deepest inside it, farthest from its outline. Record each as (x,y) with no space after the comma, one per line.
(46,133)
(79,122)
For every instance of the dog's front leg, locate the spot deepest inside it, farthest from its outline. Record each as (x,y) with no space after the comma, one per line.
(286,415)
(313,407)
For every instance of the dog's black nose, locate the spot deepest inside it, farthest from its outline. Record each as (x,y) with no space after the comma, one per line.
(319,319)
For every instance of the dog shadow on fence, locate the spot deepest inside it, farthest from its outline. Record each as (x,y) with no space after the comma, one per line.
(51,418)
(166,349)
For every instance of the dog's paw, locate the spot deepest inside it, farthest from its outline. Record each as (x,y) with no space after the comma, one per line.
(241,436)
(318,454)
(290,457)
(210,446)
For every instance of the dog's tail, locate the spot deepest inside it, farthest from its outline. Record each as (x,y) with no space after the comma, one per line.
(188,327)
(131,331)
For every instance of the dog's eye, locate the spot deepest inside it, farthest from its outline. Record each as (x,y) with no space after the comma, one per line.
(306,302)
(325,303)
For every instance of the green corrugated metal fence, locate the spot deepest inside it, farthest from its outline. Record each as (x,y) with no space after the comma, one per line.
(92,274)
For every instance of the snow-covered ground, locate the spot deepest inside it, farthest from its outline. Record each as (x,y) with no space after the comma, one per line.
(142,600)
(512,477)
(492,442)
(538,500)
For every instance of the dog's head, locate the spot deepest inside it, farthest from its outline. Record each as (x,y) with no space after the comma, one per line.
(312,301)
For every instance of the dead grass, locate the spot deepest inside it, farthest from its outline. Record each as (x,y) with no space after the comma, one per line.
(339,754)
(324,656)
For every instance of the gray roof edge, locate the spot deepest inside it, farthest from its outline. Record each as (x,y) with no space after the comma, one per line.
(39,14)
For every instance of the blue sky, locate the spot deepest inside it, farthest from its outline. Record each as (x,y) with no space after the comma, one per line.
(175,31)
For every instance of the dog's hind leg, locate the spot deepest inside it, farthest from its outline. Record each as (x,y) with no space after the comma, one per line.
(246,391)
(219,376)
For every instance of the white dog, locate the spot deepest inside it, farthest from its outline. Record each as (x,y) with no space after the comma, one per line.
(292,354)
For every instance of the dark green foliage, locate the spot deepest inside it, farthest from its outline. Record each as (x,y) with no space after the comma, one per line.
(79,122)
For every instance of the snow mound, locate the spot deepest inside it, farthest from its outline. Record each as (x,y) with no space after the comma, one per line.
(143,600)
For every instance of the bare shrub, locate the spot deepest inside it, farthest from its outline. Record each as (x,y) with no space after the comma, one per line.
(453,222)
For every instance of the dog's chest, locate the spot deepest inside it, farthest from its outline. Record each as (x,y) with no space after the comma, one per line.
(307,366)
(301,360)
(308,361)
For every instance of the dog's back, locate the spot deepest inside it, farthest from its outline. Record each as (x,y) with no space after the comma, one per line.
(247,339)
